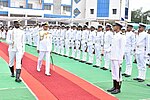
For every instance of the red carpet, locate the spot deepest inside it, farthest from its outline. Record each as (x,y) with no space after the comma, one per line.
(63,86)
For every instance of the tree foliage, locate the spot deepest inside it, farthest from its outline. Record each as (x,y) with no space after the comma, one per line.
(138,16)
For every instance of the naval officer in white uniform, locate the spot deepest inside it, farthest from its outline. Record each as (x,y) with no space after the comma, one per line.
(117,53)
(141,50)
(16,41)
(44,48)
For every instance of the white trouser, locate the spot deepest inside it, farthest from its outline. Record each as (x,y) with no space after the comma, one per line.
(107,59)
(35,40)
(141,63)
(78,49)
(67,47)
(98,54)
(57,45)
(30,40)
(26,38)
(15,54)
(148,60)
(73,49)
(61,47)
(128,58)
(90,51)
(41,56)
(115,70)
(83,47)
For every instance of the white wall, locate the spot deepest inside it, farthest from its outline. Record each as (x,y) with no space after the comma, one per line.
(17,3)
(48,1)
(67,2)
(114,4)
(36,4)
(91,4)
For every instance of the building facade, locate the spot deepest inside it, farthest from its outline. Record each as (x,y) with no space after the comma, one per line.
(102,9)
(81,9)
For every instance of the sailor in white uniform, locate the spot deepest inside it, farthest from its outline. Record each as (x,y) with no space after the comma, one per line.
(78,42)
(117,53)
(44,48)
(62,40)
(73,47)
(108,36)
(16,41)
(67,41)
(91,40)
(141,50)
(98,42)
(84,41)
(129,49)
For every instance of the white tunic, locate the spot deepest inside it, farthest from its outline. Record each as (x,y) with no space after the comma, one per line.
(108,36)
(44,41)
(142,43)
(130,42)
(118,46)
(18,36)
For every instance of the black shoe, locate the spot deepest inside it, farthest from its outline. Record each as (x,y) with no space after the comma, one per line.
(148,84)
(89,63)
(124,74)
(18,72)
(95,66)
(81,61)
(127,75)
(102,68)
(105,68)
(12,71)
(70,57)
(18,80)
(12,75)
(135,61)
(141,80)
(116,91)
(110,90)
(136,79)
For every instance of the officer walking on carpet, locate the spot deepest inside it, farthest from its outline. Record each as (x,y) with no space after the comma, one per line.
(16,41)
(44,48)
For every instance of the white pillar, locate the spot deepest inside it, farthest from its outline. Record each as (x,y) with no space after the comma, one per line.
(26,21)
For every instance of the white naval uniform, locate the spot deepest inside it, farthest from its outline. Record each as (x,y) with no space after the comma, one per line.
(58,39)
(4,34)
(67,42)
(73,43)
(17,49)
(84,41)
(91,40)
(44,45)
(148,58)
(35,35)
(117,52)
(129,49)
(54,39)
(142,49)
(78,44)
(62,41)
(30,36)
(98,47)
(108,36)
(0,34)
